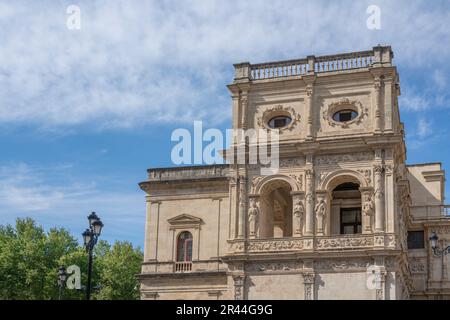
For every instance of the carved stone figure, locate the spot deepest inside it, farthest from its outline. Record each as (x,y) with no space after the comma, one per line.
(253,215)
(368,210)
(320,214)
(298,212)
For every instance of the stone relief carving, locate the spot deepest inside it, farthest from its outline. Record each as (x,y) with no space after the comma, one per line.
(337,265)
(274,266)
(416,266)
(278,110)
(367,173)
(338,158)
(276,245)
(292,162)
(342,104)
(298,179)
(308,281)
(236,246)
(238,287)
(253,217)
(320,177)
(351,242)
(255,181)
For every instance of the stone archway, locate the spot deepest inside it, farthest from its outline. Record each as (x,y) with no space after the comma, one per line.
(349,203)
(275,209)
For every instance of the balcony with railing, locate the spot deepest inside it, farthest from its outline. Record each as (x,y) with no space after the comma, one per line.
(379,56)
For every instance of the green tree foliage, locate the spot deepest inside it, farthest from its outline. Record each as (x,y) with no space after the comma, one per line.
(30,258)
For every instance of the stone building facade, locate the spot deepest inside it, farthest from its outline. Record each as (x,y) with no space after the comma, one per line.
(344,217)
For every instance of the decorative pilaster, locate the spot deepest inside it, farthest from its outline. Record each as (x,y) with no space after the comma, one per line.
(377,91)
(379,198)
(308,283)
(244,107)
(309,203)
(239,281)
(380,289)
(242,206)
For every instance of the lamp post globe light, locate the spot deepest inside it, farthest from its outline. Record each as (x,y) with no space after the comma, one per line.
(90,238)
(62,277)
(434,242)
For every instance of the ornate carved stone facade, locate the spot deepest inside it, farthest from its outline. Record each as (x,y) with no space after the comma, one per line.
(343,218)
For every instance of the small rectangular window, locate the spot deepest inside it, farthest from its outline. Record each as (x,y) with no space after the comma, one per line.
(416,240)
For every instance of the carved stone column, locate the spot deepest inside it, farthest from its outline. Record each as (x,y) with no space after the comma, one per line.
(298,214)
(377,90)
(239,281)
(368,209)
(242,206)
(379,198)
(308,283)
(309,203)
(244,107)
(309,108)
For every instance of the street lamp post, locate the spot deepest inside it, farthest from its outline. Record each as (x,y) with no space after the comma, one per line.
(90,238)
(437,251)
(62,277)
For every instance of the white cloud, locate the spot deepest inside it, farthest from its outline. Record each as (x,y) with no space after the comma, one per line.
(413,102)
(146,62)
(440,79)
(423,128)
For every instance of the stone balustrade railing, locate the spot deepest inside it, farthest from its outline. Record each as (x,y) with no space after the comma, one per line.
(194,172)
(379,56)
(279,69)
(318,243)
(181,266)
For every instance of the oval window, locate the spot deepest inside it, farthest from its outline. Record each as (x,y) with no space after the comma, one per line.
(345,115)
(279,122)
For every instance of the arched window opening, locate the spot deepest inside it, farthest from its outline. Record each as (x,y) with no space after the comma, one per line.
(184,247)
(346,209)
(276,210)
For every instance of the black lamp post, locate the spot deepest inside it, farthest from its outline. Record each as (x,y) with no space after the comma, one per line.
(62,277)
(437,251)
(90,237)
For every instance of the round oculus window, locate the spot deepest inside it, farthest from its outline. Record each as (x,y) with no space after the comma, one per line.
(345,115)
(279,122)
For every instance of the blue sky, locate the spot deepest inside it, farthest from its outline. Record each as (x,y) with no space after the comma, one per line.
(84,113)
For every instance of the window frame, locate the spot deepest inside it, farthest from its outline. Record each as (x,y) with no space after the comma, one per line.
(408,241)
(356,224)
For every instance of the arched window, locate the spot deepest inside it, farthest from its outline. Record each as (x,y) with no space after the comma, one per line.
(184,246)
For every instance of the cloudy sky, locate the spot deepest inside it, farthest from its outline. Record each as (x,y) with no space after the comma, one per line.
(84,112)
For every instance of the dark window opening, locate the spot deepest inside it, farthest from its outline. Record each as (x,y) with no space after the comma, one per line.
(279,122)
(416,240)
(351,220)
(347,186)
(345,115)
